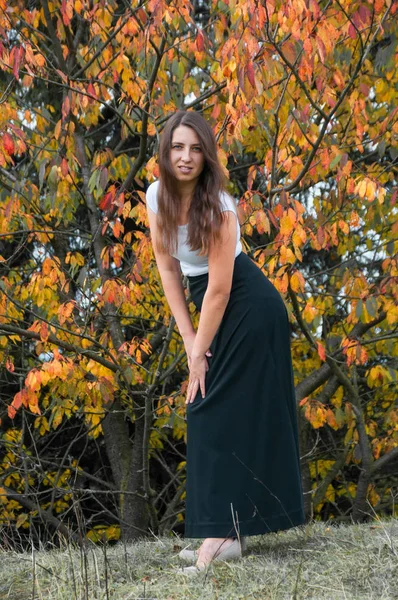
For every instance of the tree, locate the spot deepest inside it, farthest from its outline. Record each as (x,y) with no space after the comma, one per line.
(301,97)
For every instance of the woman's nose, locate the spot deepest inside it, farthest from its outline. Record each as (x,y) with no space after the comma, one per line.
(186,155)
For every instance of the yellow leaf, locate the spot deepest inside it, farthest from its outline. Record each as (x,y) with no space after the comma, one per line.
(309,313)
(361,188)
(299,236)
(151,129)
(286,256)
(330,493)
(286,225)
(370,190)
(22,518)
(297,282)
(381,195)
(3,496)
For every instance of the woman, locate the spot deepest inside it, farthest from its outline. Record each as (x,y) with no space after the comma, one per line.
(243,472)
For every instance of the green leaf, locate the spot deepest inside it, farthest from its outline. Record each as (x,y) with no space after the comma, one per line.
(359,309)
(371,307)
(335,161)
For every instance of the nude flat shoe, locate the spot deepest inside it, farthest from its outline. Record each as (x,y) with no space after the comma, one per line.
(233,552)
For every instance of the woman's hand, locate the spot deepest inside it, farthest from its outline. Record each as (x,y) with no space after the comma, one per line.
(198,367)
(197,373)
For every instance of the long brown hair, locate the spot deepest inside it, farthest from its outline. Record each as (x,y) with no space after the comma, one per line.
(204,216)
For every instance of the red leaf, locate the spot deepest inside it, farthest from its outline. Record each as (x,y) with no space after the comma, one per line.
(106,202)
(200,41)
(8,143)
(66,12)
(65,107)
(352,31)
(364,13)
(142,16)
(272,219)
(15,59)
(62,75)
(91,91)
(250,74)
(320,236)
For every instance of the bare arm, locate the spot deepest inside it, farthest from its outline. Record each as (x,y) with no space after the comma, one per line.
(221,264)
(170,275)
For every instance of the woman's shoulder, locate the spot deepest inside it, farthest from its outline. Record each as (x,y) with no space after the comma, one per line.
(227,202)
(152,196)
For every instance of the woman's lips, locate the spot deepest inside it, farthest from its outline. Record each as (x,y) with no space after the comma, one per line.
(185,169)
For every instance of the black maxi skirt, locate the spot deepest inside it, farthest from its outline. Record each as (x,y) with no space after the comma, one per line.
(243,467)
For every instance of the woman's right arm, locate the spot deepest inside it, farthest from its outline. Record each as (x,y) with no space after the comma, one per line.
(170,274)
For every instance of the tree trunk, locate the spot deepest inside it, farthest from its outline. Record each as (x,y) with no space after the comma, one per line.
(360,509)
(126,460)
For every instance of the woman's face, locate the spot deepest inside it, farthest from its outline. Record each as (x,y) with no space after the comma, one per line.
(186,154)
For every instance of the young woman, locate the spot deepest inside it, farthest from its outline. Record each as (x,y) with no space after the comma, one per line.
(243,469)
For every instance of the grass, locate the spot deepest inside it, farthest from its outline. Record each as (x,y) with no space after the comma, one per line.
(318,561)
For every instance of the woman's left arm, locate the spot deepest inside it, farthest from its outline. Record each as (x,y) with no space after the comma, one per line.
(221,265)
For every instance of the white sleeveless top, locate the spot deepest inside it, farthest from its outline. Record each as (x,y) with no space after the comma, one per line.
(190,261)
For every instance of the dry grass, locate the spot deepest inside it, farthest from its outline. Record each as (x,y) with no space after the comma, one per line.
(314,562)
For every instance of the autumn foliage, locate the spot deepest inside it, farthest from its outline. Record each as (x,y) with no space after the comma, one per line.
(302,97)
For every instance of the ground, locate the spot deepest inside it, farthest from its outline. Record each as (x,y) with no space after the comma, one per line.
(318,561)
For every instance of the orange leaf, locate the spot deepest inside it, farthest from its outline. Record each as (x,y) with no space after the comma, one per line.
(282,283)
(64,167)
(331,419)
(11,411)
(321,351)
(321,50)
(344,227)
(10,365)
(262,222)
(44,333)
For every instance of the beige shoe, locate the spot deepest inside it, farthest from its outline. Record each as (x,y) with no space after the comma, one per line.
(188,555)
